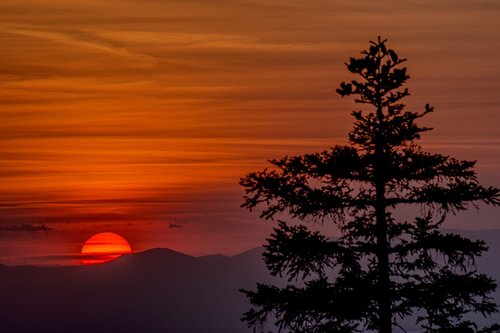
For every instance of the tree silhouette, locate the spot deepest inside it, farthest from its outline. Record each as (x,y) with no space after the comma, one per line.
(381,270)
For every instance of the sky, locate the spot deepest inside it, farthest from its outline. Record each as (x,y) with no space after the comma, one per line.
(140,117)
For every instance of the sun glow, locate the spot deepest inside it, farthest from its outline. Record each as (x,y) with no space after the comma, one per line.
(104,247)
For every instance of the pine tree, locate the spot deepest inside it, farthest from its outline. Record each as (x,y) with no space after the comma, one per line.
(381,270)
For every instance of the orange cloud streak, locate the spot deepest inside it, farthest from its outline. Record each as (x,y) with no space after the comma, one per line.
(149,112)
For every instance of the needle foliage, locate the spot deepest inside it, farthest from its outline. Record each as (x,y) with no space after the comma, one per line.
(382,270)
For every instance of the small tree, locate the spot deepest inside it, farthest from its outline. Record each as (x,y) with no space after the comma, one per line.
(380,270)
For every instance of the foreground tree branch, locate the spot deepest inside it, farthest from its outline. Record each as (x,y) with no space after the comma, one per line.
(380,270)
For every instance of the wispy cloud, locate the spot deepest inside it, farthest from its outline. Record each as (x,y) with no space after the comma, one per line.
(26,228)
(208,41)
(134,111)
(75,39)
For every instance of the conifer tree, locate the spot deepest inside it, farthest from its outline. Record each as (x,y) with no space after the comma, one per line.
(382,269)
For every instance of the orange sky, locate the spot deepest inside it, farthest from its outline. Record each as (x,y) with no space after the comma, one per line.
(139,117)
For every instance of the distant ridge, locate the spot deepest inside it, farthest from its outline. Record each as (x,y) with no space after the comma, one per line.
(255,252)
(155,255)
(161,252)
(154,291)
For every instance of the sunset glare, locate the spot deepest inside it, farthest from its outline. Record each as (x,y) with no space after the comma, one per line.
(104,247)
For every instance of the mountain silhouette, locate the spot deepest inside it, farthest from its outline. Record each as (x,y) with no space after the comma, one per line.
(158,290)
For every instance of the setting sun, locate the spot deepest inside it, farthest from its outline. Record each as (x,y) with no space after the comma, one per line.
(104,247)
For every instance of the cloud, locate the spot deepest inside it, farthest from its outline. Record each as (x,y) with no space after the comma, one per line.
(50,260)
(80,41)
(148,112)
(26,228)
(204,41)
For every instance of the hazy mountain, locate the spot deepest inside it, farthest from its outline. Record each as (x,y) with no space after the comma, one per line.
(158,290)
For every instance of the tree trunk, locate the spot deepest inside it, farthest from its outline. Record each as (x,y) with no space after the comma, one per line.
(384,284)
(384,288)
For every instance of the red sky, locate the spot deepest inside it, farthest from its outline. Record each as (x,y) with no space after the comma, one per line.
(139,117)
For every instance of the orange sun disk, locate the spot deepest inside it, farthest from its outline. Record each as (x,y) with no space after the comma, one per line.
(104,247)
